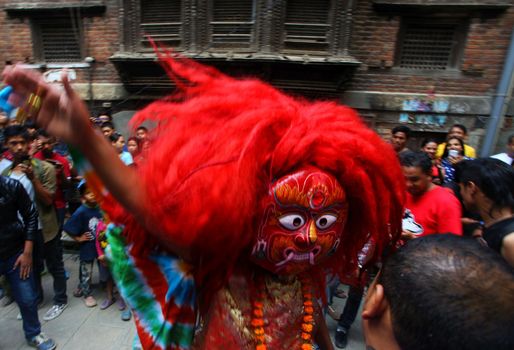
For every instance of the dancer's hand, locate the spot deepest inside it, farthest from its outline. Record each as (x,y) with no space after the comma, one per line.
(62,112)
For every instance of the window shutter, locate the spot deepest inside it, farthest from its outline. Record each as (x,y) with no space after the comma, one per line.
(162,21)
(232,22)
(307,25)
(59,39)
(428,45)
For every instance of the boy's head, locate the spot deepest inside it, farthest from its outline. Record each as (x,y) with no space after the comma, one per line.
(458,130)
(17,141)
(118,141)
(141,132)
(400,136)
(87,196)
(107,129)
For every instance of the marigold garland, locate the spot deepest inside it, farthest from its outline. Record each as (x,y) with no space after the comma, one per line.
(257,320)
(308,311)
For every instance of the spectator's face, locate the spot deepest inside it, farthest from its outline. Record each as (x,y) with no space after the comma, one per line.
(132,147)
(107,131)
(416,181)
(89,197)
(18,146)
(454,145)
(457,132)
(430,149)
(46,145)
(141,134)
(399,140)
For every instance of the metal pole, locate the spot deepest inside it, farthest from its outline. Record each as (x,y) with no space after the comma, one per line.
(500,101)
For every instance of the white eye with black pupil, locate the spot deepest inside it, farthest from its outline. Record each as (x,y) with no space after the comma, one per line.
(292,221)
(325,221)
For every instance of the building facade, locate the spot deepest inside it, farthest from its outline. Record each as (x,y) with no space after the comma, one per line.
(427,64)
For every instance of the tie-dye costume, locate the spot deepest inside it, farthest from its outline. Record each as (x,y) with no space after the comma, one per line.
(260,193)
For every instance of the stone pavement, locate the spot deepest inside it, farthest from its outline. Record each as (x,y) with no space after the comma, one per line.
(78,327)
(82,328)
(355,336)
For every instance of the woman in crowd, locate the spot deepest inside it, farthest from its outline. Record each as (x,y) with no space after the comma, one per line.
(453,154)
(133,146)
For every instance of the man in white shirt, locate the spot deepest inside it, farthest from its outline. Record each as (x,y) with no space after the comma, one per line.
(508,156)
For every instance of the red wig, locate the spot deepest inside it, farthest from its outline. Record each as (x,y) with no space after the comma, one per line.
(218,144)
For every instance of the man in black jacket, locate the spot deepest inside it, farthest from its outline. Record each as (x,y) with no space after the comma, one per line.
(16,244)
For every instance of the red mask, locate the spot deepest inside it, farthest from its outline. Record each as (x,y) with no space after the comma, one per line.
(304,217)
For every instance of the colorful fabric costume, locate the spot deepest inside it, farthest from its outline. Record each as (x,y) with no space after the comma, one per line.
(264,193)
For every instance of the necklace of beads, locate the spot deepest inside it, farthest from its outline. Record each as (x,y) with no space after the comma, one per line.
(257,321)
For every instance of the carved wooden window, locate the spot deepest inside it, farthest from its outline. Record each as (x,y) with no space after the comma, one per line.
(307,25)
(430,44)
(162,21)
(232,22)
(58,38)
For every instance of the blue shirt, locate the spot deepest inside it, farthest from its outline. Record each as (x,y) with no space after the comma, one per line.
(84,219)
(126,158)
(449,170)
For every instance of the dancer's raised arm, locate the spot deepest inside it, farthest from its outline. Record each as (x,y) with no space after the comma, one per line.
(64,115)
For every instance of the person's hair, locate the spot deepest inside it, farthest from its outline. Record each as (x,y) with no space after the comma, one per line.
(115,136)
(510,140)
(427,141)
(43,133)
(82,187)
(29,124)
(418,159)
(32,135)
(460,126)
(401,128)
(449,292)
(107,124)
(15,131)
(445,153)
(492,176)
(141,127)
(133,138)
(106,113)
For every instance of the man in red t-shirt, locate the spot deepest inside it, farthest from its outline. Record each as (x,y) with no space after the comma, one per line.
(62,171)
(429,208)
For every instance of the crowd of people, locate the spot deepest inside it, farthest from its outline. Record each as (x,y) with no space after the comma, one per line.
(432,290)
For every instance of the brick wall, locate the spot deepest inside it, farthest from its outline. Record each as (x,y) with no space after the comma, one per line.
(374,40)
(104,39)
(101,40)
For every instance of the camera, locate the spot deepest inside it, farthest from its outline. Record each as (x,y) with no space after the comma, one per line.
(453,153)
